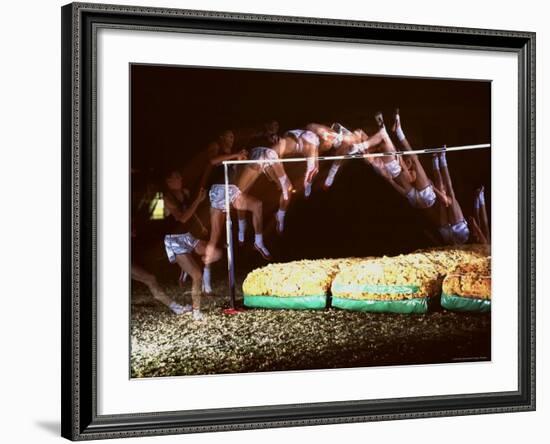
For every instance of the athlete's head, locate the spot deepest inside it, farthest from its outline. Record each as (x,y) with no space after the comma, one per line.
(226,139)
(173,180)
(271,127)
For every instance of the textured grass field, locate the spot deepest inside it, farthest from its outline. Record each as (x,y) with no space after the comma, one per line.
(163,344)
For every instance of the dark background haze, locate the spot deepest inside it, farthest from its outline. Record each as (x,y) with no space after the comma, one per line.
(176,111)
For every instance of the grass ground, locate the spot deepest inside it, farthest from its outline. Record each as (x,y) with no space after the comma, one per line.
(163,344)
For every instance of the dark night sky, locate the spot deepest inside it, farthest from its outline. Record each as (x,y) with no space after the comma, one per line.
(176,111)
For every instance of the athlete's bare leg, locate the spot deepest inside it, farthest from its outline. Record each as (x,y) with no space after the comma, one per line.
(141,275)
(245,202)
(455,212)
(271,175)
(281,179)
(483,214)
(440,215)
(409,165)
(312,166)
(217,225)
(480,215)
(477,216)
(188,264)
(443,217)
(421,180)
(439,186)
(399,174)
(347,147)
(329,180)
(475,221)
(215,255)
(478,234)
(247,177)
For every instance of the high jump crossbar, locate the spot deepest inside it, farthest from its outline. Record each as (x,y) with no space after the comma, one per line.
(362,155)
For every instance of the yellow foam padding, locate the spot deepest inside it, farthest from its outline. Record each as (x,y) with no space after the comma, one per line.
(401,277)
(470,280)
(298,278)
(415,275)
(447,258)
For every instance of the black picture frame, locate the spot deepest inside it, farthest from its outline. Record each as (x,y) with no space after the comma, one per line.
(80,420)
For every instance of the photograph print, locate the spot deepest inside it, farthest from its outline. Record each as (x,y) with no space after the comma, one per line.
(286,220)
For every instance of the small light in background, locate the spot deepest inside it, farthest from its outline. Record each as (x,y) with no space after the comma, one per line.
(158,207)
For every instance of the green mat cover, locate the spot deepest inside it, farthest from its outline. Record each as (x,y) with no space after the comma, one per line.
(405,306)
(375,288)
(315,302)
(459,303)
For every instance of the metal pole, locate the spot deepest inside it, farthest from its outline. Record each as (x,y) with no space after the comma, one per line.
(229,237)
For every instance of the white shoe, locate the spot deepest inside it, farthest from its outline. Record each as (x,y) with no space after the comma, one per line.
(279,224)
(307,189)
(198,315)
(179,309)
(206,288)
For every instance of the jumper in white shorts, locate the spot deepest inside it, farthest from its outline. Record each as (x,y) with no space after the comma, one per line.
(393,168)
(424,198)
(179,244)
(217,195)
(303,135)
(456,234)
(263,153)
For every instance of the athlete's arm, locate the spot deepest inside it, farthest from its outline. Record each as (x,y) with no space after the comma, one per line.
(180,215)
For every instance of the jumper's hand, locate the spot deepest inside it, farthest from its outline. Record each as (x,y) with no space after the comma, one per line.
(202,195)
